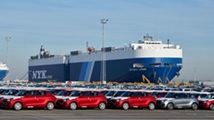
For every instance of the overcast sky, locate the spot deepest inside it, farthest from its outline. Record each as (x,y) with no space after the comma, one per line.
(65,25)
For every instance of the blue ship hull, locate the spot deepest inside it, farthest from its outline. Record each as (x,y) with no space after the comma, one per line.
(44,73)
(123,70)
(116,70)
(3,73)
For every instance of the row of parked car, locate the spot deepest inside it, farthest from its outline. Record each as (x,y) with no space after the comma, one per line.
(67,98)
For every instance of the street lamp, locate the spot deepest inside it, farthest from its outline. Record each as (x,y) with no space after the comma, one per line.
(7,40)
(103,62)
(7,61)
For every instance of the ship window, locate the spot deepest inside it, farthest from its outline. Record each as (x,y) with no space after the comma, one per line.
(155,64)
(168,64)
(139,47)
(138,65)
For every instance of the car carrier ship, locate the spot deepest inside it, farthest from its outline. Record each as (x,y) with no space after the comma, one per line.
(150,59)
(3,70)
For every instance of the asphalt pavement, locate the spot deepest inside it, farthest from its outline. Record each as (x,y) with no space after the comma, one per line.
(108,114)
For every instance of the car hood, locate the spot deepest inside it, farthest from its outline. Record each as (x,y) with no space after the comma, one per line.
(162,99)
(120,98)
(68,98)
(205,99)
(59,96)
(108,97)
(12,97)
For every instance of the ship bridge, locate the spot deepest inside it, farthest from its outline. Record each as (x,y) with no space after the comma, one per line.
(149,43)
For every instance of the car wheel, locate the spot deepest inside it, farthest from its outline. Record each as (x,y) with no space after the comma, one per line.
(212,107)
(125,106)
(102,106)
(73,106)
(50,106)
(151,106)
(194,106)
(170,106)
(18,106)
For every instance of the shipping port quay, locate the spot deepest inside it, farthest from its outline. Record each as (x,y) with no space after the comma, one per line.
(36,105)
(108,114)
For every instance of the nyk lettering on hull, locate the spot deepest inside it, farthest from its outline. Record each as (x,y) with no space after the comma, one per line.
(40,74)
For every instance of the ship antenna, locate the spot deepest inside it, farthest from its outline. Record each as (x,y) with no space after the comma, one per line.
(86,45)
(168,42)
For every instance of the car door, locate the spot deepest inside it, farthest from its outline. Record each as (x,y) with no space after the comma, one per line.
(94,99)
(136,100)
(41,99)
(84,99)
(179,100)
(145,99)
(188,100)
(30,100)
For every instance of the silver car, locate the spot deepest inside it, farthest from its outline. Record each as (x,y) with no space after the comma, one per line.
(178,100)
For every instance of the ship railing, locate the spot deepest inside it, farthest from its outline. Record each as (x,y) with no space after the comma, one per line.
(116,49)
(172,47)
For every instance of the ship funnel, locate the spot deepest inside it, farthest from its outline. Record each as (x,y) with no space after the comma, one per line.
(90,49)
(42,51)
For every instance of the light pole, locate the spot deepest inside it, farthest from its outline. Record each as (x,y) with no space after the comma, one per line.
(7,61)
(194,79)
(103,63)
(7,40)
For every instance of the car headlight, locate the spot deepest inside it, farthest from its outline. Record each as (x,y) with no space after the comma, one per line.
(10,99)
(163,101)
(206,101)
(118,100)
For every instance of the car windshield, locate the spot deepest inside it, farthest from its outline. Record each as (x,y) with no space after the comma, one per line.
(210,96)
(104,92)
(75,93)
(110,93)
(170,95)
(5,92)
(126,94)
(203,95)
(1,91)
(9,92)
(67,93)
(21,93)
(119,93)
(55,91)
(63,92)
(162,94)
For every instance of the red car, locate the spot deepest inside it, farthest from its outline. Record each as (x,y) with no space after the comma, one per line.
(83,99)
(136,99)
(207,102)
(30,99)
